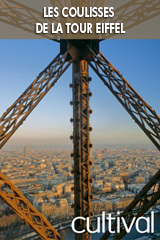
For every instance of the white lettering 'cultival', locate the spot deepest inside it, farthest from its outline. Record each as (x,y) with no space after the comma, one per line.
(107,220)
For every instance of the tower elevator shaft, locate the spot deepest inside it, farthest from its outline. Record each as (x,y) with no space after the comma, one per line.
(81,147)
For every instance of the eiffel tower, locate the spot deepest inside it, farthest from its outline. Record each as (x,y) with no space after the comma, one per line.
(81,54)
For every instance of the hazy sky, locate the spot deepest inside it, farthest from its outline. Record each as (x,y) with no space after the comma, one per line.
(22,60)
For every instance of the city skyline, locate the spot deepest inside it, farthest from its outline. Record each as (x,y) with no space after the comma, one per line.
(49,122)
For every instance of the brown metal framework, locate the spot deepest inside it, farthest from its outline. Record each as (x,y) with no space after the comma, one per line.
(81,141)
(148,121)
(11,120)
(139,110)
(15,115)
(142,203)
(16,200)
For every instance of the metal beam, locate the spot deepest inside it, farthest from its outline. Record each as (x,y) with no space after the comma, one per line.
(141,204)
(81,141)
(16,200)
(15,115)
(139,110)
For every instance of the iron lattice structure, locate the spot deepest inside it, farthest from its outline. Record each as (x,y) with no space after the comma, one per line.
(81,141)
(144,201)
(24,105)
(80,53)
(139,110)
(16,200)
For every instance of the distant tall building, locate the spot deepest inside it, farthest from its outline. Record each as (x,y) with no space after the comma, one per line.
(26,151)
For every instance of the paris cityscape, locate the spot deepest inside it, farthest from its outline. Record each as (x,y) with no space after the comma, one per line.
(98,57)
(44,172)
(44,175)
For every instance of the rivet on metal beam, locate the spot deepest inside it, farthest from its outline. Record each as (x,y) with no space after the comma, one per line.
(90,145)
(91,180)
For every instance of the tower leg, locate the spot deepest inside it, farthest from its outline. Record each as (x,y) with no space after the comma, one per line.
(81,141)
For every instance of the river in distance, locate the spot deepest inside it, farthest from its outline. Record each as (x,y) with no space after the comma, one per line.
(68,234)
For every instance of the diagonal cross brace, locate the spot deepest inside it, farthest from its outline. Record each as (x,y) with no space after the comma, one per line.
(139,110)
(24,105)
(141,204)
(16,200)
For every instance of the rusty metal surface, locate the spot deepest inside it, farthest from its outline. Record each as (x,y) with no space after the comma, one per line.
(148,121)
(141,204)
(139,110)
(15,115)
(16,200)
(81,141)
(9,123)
